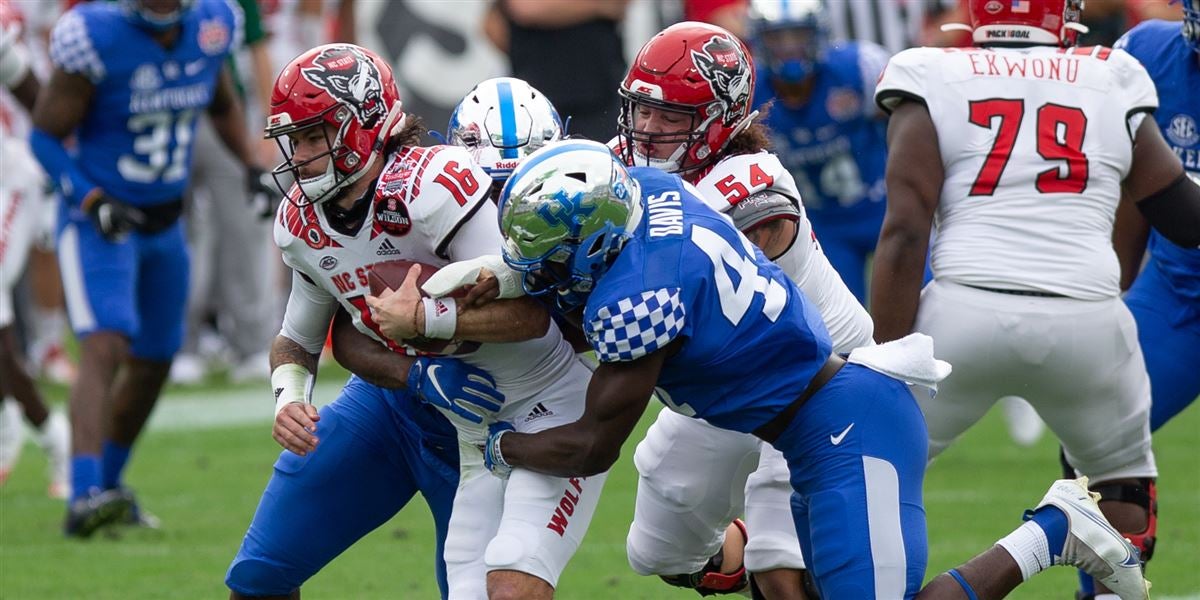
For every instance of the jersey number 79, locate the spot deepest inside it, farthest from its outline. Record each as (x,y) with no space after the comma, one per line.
(1060,131)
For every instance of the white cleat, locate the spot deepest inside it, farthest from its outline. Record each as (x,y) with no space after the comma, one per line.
(12,436)
(1092,544)
(55,441)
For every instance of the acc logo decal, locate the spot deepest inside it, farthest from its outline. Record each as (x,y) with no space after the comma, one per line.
(993,7)
(328,263)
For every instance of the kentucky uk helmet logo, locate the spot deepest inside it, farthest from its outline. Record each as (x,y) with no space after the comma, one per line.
(723,66)
(352,79)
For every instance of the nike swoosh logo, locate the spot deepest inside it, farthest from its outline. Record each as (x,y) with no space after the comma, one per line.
(837,439)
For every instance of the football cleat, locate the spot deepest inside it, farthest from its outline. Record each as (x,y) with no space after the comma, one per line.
(1092,545)
(87,514)
(55,440)
(12,437)
(137,516)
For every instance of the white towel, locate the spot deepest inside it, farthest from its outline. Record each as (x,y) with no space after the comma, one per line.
(909,359)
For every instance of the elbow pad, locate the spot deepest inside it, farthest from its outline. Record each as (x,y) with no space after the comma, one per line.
(1175,212)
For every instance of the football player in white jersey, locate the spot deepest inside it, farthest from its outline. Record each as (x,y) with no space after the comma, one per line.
(693,117)
(21,192)
(1019,150)
(349,210)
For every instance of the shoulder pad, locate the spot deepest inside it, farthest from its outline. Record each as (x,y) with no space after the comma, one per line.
(440,187)
(737,177)
(905,76)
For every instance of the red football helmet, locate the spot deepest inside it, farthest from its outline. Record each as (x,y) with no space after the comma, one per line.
(346,86)
(1054,22)
(703,73)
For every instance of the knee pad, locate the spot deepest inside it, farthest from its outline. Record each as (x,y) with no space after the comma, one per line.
(1145,495)
(709,580)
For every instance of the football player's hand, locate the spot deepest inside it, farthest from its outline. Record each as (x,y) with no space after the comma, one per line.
(450,384)
(113,219)
(395,311)
(295,426)
(493,459)
(262,192)
(486,289)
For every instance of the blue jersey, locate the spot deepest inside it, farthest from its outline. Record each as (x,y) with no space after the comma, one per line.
(750,340)
(135,141)
(1175,69)
(836,144)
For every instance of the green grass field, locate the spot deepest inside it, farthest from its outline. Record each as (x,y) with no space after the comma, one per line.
(208,454)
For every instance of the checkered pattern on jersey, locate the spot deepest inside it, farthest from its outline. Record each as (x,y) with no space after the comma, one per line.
(71,48)
(636,326)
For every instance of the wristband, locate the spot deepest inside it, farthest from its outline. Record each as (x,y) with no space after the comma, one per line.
(291,383)
(441,318)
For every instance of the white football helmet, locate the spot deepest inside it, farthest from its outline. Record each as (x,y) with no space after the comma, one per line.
(502,121)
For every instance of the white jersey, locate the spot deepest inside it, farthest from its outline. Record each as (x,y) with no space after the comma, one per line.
(422,198)
(1035,143)
(735,178)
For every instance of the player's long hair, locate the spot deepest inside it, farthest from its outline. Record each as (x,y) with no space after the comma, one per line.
(409,135)
(754,138)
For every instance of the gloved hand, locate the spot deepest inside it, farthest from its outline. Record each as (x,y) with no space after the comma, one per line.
(113,219)
(453,385)
(493,459)
(263,194)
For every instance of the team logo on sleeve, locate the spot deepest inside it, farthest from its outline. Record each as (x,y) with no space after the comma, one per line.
(351,77)
(1182,131)
(727,72)
(213,37)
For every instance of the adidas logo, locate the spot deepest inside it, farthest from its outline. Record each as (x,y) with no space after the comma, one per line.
(278,391)
(539,410)
(387,248)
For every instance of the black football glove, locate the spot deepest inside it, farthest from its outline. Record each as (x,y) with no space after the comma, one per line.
(113,219)
(262,192)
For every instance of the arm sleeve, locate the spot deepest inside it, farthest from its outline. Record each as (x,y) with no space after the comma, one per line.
(633,327)
(59,166)
(1134,89)
(253,25)
(309,311)
(903,78)
(72,49)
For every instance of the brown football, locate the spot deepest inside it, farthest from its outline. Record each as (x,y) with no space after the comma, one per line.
(389,275)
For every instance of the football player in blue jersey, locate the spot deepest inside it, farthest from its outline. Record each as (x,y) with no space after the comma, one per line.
(827,131)
(128,80)
(677,303)
(1165,297)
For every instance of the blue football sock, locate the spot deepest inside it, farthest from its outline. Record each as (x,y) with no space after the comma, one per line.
(115,458)
(1054,522)
(85,475)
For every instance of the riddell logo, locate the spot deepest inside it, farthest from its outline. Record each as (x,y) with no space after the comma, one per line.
(387,248)
(539,411)
(566,507)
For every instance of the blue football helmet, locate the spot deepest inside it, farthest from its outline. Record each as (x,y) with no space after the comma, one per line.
(789,36)
(142,15)
(503,120)
(565,215)
(1191,23)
